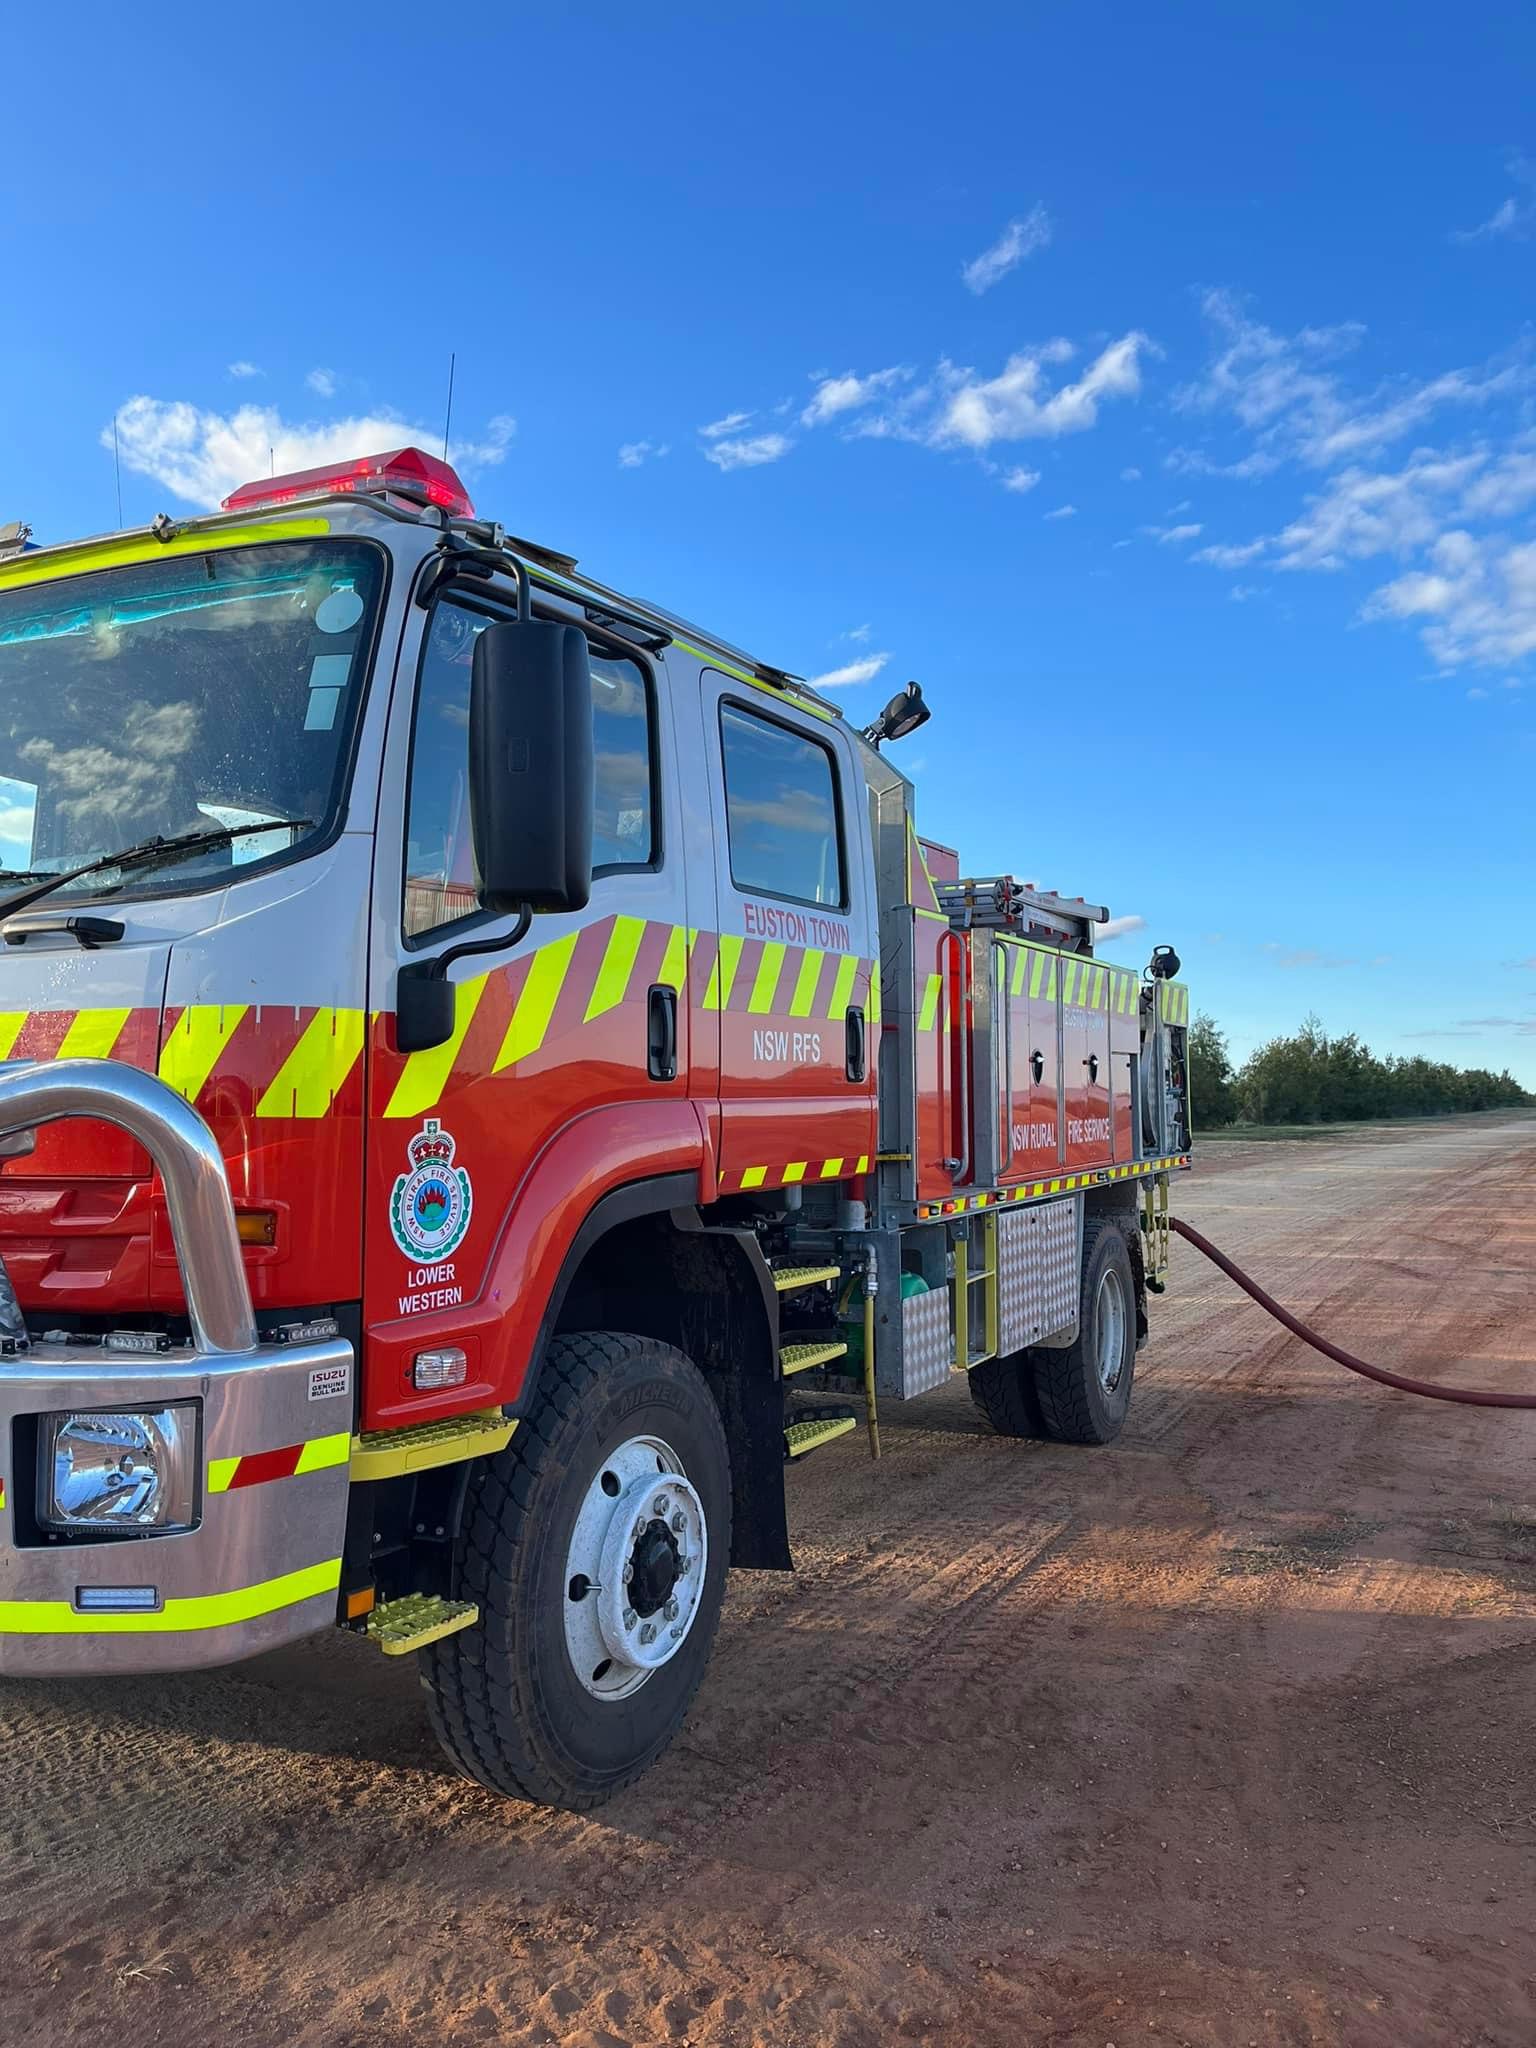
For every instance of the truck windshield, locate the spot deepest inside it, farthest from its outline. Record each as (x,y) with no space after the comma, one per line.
(172,697)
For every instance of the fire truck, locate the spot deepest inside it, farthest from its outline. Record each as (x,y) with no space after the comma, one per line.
(490,1075)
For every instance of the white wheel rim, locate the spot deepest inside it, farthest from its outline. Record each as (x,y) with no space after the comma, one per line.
(1111,1326)
(632,1590)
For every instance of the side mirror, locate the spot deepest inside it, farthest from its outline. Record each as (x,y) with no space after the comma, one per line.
(530,765)
(905,713)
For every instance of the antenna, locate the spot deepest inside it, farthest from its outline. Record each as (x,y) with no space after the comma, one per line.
(448,415)
(117,471)
(271,461)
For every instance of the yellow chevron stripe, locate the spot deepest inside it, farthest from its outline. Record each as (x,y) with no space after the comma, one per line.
(831,1169)
(195,1043)
(930,1009)
(612,983)
(753,1176)
(309,1080)
(722,976)
(766,979)
(11,1022)
(874,992)
(805,983)
(221,1472)
(842,986)
(795,1171)
(1020,970)
(321,1452)
(92,1035)
(674,962)
(425,1074)
(536,1002)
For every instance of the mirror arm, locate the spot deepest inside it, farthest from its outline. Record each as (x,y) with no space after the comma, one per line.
(424,997)
(458,557)
(436,969)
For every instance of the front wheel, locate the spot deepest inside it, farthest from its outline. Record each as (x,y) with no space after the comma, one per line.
(596,1545)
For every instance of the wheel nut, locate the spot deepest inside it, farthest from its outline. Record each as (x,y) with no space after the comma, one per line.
(684,1567)
(630,1617)
(648,1633)
(670,1610)
(679,1523)
(660,1504)
(639,1528)
(629,1573)
(677,1635)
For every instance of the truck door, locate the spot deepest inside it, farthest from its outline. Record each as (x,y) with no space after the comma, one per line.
(1085,1060)
(783,987)
(1032,1066)
(545,1032)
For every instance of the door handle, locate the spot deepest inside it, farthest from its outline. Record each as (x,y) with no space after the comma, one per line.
(661,1033)
(1092,1064)
(1037,1067)
(855,1060)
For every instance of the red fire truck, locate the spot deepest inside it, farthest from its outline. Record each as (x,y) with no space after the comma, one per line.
(489,1072)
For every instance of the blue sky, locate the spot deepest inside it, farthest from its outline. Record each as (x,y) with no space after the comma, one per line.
(1157,386)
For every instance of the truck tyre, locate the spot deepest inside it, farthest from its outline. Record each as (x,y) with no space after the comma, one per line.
(1084,1391)
(1004,1390)
(596,1547)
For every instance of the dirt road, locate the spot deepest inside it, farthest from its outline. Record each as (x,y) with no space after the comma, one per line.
(1222,1736)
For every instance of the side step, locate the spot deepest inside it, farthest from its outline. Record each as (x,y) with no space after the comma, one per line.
(800,1437)
(801,1357)
(396,1626)
(787,1278)
(388,1453)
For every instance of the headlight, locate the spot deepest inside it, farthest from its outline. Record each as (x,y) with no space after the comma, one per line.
(134,1470)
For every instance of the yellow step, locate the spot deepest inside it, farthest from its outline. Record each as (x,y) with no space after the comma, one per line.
(801,1437)
(397,1626)
(387,1453)
(801,1357)
(787,1278)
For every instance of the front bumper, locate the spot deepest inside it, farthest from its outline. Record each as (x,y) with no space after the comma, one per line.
(264,1562)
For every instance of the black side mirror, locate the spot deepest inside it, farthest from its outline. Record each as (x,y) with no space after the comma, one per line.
(530,765)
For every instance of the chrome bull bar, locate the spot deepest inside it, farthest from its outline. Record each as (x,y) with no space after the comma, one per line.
(34,1092)
(260,1564)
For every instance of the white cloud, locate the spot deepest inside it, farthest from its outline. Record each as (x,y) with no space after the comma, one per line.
(1479,596)
(1225,556)
(1130,476)
(862,671)
(245,369)
(1021,238)
(322,383)
(728,425)
(1240,593)
(847,393)
(202,456)
(1513,216)
(1284,389)
(1016,404)
(1021,479)
(1117,928)
(1172,535)
(748,454)
(859,633)
(1061,512)
(634,453)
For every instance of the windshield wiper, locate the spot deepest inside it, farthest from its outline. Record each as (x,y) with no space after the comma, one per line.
(148,853)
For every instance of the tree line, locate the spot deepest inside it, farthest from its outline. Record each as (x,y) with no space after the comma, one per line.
(1312,1077)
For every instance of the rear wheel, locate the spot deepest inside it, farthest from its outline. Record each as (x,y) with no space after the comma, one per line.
(1078,1395)
(596,1546)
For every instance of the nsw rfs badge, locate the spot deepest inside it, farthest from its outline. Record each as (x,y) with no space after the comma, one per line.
(429,1207)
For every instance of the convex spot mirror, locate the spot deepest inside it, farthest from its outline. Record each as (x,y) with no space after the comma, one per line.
(530,765)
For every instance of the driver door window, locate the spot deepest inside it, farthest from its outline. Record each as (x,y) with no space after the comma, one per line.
(441,884)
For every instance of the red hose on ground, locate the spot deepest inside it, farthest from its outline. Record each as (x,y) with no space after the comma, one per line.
(1473,1397)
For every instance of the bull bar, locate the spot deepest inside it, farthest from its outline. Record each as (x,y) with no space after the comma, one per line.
(261,1563)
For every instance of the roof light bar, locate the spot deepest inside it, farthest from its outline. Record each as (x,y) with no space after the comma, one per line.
(402,472)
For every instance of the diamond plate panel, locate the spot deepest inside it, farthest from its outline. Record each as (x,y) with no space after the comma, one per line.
(1037,1262)
(927,1348)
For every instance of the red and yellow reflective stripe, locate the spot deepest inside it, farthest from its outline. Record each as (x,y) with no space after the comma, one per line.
(791,1174)
(254,1468)
(1062,1184)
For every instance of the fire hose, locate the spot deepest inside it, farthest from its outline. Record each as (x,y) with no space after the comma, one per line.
(1473,1397)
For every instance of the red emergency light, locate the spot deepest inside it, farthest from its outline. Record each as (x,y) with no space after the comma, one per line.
(404,472)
